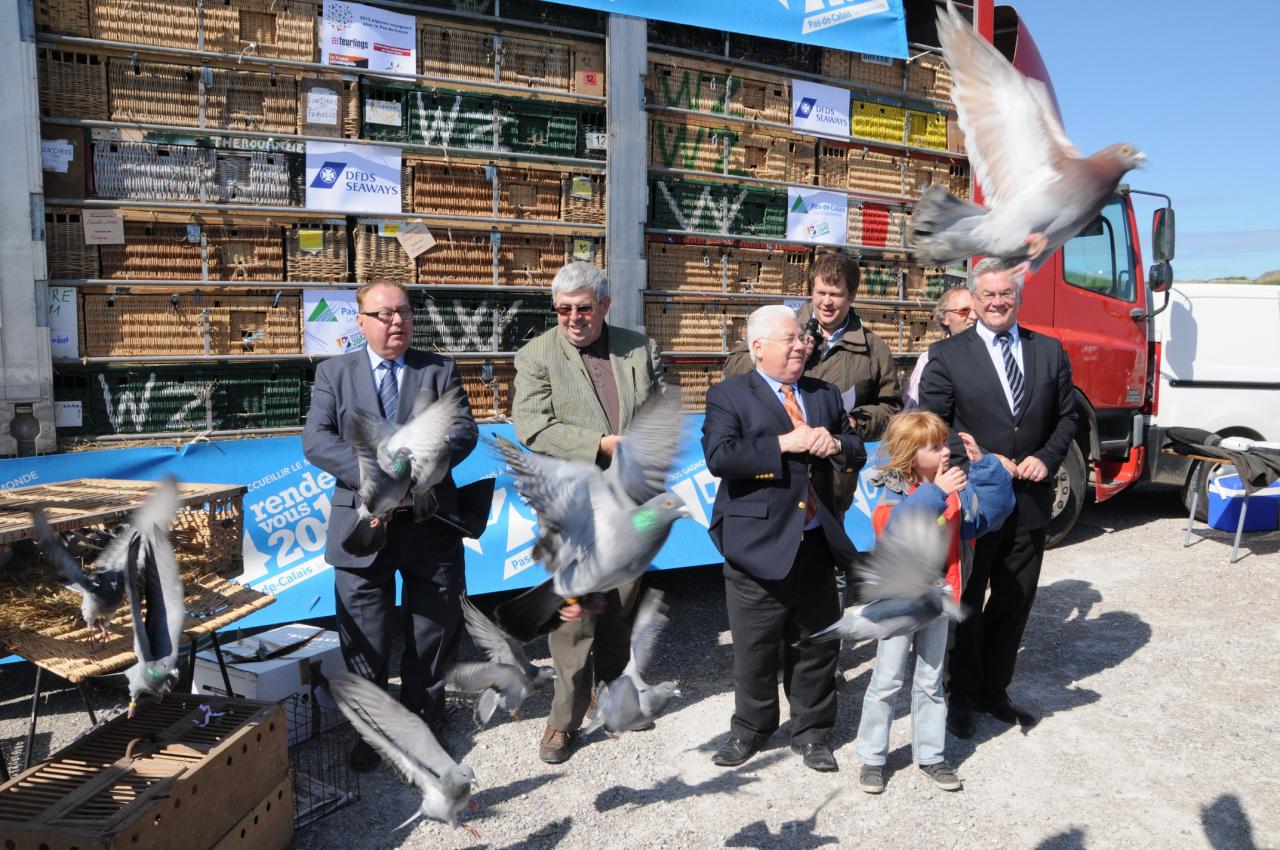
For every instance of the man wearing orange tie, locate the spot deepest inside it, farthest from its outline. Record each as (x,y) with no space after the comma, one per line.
(776,440)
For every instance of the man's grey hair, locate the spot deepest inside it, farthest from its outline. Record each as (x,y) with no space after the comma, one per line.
(991,265)
(580,275)
(763,320)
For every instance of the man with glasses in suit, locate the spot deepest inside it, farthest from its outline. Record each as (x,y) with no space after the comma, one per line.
(383,379)
(577,387)
(1010,387)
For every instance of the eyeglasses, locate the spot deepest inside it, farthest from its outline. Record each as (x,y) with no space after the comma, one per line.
(1004,294)
(785,341)
(385,316)
(584,310)
(962,311)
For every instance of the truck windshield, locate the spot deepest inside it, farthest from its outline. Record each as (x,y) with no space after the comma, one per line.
(1100,259)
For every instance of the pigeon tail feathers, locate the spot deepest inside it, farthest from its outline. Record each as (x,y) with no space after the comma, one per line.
(366,538)
(941,229)
(532,614)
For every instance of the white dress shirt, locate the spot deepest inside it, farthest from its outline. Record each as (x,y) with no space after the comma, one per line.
(996,351)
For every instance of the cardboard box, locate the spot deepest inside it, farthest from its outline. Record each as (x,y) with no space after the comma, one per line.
(290,656)
(1226,499)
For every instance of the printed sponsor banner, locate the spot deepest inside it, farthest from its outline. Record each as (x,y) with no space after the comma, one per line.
(817,216)
(356,178)
(330,321)
(820,109)
(64,342)
(286,511)
(358,36)
(866,26)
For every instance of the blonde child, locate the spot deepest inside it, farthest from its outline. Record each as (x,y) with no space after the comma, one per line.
(919,476)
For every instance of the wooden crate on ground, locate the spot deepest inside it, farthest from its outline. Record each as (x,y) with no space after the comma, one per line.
(213,323)
(694,378)
(72,85)
(490,387)
(172,775)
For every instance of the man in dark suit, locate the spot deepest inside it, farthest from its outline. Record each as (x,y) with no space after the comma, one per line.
(776,440)
(1011,389)
(383,379)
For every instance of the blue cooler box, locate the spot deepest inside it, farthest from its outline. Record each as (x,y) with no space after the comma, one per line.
(1226,497)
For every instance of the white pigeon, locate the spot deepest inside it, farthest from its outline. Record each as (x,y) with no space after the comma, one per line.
(1039,190)
(406,743)
(902,582)
(156,638)
(397,459)
(628,703)
(506,679)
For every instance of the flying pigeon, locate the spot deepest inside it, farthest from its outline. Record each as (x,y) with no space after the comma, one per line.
(1039,190)
(103,588)
(902,583)
(627,703)
(397,460)
(599,528)
(506,679)
(406,743)
(156,638)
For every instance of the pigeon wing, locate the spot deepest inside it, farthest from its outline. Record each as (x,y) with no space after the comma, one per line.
(475,676)
(401,737)
(1012,134)
(52,545)
(368,440)
(644,457)
(650,619)
(426,435)
(558,490)
(493,641)
(907,559)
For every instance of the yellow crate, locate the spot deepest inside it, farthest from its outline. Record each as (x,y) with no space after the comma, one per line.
(879,121)
(927,129)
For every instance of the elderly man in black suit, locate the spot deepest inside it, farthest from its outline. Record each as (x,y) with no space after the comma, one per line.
(776,439)
(384,379)
(1010,388)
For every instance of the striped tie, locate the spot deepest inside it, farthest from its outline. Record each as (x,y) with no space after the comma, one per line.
(1011,370)
(388,392)
(797,418)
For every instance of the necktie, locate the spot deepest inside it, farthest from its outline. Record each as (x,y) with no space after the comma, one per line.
(388,392)
(797,418)
(1011,370)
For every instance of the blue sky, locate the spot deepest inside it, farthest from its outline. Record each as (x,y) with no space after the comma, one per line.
(1192,85)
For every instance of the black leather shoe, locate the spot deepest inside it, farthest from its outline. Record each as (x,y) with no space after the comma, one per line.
(364,758)
(1006,712)
(735,751)
(817,756)
(960,722)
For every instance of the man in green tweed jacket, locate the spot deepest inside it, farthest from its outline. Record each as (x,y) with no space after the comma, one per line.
(577,387)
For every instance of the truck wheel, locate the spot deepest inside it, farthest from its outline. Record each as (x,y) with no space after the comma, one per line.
(1198,475)
(1068,496)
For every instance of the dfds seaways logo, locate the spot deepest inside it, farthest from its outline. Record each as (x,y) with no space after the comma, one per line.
(806,107)
(328,175)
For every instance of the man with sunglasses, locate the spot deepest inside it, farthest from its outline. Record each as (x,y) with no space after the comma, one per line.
(954,313)
(383,379)
(577,387)
(1010,387)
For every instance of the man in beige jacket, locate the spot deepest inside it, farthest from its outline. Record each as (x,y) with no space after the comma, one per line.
(577,387)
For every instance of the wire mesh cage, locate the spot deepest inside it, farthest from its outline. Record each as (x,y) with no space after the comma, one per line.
(320,740)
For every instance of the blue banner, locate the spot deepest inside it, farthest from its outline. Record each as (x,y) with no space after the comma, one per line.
(865,26)
(286,511)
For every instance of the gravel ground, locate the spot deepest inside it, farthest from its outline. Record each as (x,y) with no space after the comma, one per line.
(1153,667)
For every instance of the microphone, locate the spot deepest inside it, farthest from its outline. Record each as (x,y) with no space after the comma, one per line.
(814,330)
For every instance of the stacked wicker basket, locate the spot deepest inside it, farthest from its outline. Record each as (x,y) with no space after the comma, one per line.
(501,156)
(722,153)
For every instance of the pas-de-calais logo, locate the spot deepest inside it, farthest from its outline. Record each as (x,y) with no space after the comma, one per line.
(806,107)
(328,175)
(821,14)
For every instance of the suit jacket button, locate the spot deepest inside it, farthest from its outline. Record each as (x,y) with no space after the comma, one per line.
(811,473)
(801,505)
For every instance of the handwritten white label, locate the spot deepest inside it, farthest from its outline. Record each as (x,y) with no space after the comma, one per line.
(322,106)
(56,155)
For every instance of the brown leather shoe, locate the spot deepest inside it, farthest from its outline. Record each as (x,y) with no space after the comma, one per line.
(555,746)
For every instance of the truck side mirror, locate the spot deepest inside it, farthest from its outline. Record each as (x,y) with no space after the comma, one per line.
(1162,236)
(1160,277)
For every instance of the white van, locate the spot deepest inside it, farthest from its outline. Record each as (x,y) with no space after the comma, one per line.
(1219,370)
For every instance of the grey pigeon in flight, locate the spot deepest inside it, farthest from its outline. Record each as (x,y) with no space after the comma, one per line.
(102,588)
(628,703)
(599,529)
(506,679)
(406,743)
(902,582)
(396,460)
(156,638)
(1039,190)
